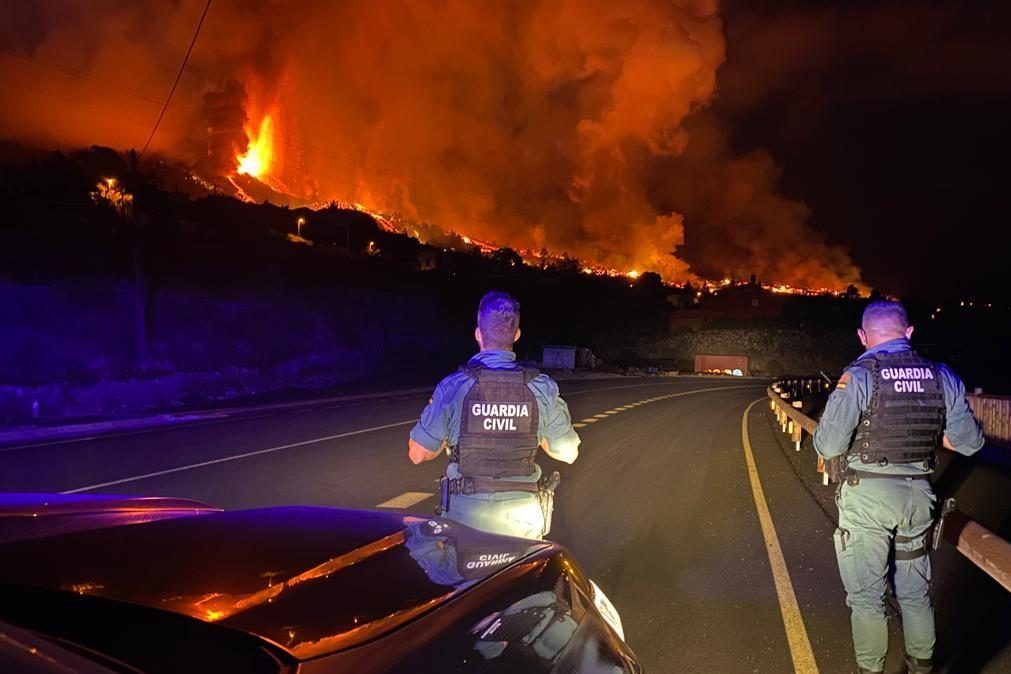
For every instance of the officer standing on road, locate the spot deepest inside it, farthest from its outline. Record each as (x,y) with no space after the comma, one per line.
(885,420)
(491,417)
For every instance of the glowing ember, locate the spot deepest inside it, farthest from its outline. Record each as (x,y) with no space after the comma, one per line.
(257,160)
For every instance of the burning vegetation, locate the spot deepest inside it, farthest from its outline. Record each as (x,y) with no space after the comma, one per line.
(568,131)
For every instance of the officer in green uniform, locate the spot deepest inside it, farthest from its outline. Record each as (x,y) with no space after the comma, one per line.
(492,416)
(889,413)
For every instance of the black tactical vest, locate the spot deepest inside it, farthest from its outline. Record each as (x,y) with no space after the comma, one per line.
(904,420)
(498,431)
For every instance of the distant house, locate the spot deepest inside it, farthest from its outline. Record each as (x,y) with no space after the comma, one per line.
(682,298)
(742,302)
(745,301)
(568,358)
(434,259)
(559,358)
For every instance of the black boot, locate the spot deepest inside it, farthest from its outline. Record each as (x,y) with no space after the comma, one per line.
(919,665)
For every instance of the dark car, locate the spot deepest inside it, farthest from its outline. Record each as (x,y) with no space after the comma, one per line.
(117,584)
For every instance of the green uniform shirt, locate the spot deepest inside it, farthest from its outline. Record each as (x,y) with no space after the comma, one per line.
(842,414)
(440,420)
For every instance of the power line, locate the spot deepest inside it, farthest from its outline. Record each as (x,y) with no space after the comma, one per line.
(178,77)
(476,199)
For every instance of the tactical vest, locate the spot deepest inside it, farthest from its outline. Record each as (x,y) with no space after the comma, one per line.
(904,420)
(498,431)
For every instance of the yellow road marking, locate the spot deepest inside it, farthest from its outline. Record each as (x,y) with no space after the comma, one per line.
(406,500)
(578,424)
(793,621)
(600,416)
(589,420)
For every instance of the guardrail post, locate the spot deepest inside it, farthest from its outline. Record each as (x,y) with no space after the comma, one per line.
(824,471)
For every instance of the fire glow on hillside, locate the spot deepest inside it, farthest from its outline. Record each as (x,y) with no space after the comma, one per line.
(576,130)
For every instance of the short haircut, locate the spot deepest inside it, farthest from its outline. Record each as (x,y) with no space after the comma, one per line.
(885,317)
(498,316)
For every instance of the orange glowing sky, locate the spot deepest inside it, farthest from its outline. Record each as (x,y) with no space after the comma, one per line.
(572,125)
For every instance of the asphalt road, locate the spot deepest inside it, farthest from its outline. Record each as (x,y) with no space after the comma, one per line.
(660,509)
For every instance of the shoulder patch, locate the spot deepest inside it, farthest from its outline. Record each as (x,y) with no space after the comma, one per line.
(843,381)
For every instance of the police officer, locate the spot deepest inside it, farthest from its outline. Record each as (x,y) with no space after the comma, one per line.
(491,417)
(885,420)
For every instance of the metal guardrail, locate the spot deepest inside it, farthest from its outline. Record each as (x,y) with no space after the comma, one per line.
(982,547)
(785,401)
(994,412)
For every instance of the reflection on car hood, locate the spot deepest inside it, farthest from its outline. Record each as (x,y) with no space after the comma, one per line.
(311,580)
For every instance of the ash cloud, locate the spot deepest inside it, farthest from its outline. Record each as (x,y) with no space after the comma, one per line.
(571,125)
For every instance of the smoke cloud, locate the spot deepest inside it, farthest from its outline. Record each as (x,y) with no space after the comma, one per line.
(225,112)
(573,125)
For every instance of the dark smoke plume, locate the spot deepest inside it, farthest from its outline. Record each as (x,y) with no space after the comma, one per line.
(558,124)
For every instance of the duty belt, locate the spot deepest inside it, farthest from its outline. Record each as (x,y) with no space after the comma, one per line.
(853,476)
(478,485)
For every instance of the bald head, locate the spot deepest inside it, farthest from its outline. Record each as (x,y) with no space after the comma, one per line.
(884,321)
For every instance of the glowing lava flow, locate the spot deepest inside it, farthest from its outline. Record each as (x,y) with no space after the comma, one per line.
(257,160)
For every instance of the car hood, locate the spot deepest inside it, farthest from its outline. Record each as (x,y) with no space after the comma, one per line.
(310,580)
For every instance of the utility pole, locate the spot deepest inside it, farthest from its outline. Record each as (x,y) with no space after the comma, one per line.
(140,315)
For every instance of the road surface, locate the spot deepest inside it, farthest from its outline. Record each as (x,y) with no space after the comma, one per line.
(709,533)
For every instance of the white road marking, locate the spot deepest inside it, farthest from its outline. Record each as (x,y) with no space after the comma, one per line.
(170,426)
(566,394)
(238,414)
(406,500)
(270,450)
(603,415)
(235,457)
(793,621)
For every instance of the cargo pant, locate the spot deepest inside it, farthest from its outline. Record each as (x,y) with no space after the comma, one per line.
(876,516)
(509,513)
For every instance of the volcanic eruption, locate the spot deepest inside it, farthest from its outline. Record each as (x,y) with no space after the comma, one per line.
(560,125)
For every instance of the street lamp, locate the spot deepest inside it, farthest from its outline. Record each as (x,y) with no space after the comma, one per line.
(299,223)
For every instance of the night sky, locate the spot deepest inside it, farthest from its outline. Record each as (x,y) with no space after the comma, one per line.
(891,121)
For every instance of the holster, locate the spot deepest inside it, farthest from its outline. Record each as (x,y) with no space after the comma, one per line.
(546,496)
(444,495)
(836,468)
